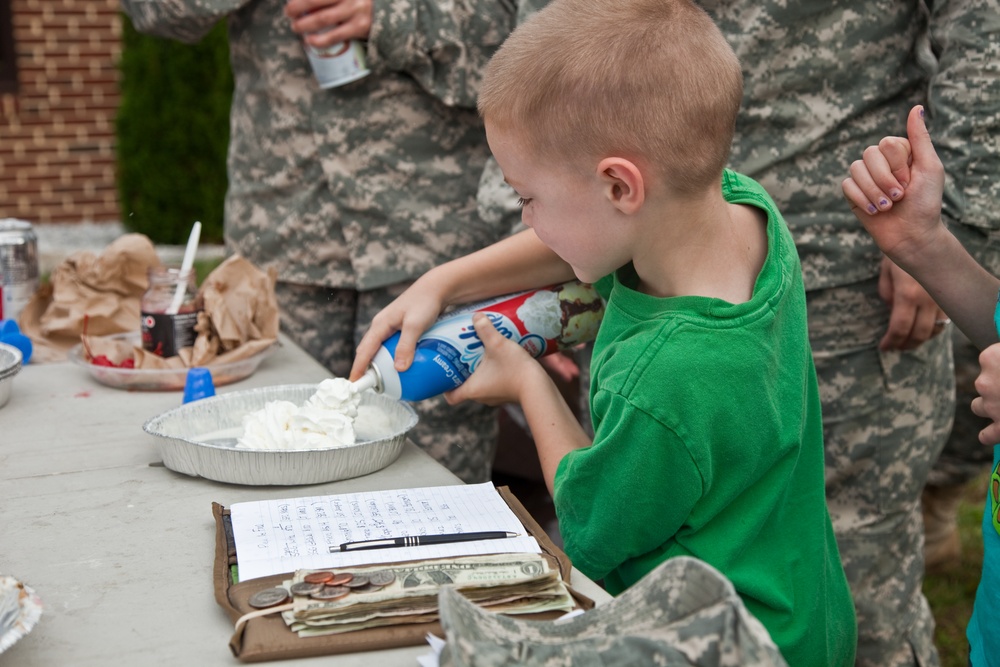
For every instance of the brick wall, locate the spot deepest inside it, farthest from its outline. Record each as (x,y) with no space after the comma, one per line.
(57,132)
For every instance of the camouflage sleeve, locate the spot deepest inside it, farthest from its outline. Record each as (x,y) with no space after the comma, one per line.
(443,46)
(964,102)
(184,20)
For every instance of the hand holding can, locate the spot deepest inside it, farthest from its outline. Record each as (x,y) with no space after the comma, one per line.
(340,62)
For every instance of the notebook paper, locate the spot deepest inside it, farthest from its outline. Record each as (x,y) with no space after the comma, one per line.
(276,536)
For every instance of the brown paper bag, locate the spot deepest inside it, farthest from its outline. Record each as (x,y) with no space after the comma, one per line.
(104,289)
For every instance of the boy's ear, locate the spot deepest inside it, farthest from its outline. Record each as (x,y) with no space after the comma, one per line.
(624,184)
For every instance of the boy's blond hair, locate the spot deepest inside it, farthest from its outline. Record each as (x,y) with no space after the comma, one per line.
(652,80)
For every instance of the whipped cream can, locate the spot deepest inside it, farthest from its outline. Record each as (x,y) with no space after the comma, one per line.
(541,321)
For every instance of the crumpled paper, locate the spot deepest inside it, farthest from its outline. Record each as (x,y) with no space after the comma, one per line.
(100,296)
(106,289)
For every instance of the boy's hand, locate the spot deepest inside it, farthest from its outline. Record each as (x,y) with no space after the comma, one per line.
(987,404)
(324,23)
(503,371)
(895,191)
(411,313)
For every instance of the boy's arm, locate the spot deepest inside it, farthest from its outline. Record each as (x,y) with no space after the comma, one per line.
(911,233)
(516,263)
(508,374)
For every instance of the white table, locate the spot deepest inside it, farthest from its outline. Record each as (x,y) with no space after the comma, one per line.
(119,548)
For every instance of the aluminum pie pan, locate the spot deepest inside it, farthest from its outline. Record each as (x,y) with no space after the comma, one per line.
(10,365)
(181,436)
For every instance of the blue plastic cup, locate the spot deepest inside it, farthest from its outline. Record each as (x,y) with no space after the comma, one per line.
(11,334)
(198,384)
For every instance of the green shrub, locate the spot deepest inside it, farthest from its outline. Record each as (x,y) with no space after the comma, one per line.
(172,134)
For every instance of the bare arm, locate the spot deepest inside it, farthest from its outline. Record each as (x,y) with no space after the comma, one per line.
(516,263)
(508,374)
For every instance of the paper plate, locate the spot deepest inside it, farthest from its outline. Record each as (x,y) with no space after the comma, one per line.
(168,379)
(20,609)
(199,438)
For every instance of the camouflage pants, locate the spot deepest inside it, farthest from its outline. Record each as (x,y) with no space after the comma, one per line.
(886,416)
(964,457)
(327,323)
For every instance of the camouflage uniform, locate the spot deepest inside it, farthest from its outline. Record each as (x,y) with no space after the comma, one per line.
(353,191)
(824,81)
(683,613)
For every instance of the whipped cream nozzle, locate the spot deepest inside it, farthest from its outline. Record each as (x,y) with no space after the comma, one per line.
(370,380)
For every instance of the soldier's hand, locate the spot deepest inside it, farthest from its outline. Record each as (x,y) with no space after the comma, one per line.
(914,317)
(323,23)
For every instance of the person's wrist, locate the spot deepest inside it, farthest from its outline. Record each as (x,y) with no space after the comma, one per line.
(535,381)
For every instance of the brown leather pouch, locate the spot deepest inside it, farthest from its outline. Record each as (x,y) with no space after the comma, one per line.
(268,638)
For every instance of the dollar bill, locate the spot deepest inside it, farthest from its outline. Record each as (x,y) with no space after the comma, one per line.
(506,583)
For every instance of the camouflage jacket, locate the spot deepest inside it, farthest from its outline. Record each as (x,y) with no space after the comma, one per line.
(683,613)
(824,80)
(364,185)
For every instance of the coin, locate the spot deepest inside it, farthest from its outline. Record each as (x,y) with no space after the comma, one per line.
(268,598)
(340,579)
(357,581)
(330,593)
(318,577)
(305,588)
(381,578)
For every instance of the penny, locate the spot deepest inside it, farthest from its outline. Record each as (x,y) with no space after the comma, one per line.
(381,578)
(358,581)
(340,579)
(330,593)
(318,577)
(305,588)
(268,598)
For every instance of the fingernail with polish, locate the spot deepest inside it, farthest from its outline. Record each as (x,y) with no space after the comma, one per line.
(872,209)
(895,194)
(883,202)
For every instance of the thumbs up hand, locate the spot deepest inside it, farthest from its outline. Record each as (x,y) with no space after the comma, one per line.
(895,191)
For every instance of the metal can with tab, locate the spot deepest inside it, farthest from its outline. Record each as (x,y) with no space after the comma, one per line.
(18,266)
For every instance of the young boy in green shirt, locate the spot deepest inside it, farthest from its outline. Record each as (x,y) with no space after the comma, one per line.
(612,120)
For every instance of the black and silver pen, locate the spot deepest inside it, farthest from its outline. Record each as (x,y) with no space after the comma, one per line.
(420,540)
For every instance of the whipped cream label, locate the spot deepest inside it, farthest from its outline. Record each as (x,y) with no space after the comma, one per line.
(540,321)
(456,349)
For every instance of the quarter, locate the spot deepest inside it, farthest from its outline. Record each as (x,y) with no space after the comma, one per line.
(330,593)
(381,578)
(358,581)
(268,597)
(305,588)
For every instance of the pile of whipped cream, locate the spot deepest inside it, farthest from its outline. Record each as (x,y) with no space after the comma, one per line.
(325,421)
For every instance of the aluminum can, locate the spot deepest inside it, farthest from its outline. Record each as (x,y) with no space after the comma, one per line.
(18,266)
(337,64)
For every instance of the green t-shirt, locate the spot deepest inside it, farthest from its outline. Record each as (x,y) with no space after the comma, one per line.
(708,443)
